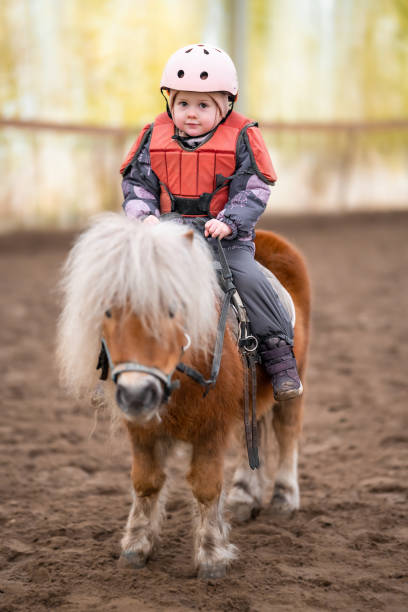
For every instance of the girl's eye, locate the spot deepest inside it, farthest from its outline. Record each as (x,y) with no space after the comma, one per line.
(203,105)
(183,104)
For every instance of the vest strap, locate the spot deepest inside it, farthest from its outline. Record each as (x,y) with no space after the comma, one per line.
(193,206)
(200,206)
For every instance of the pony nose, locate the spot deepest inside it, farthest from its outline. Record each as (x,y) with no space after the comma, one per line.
(140,397)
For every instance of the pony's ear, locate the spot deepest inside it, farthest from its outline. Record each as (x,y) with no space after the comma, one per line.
(189,235)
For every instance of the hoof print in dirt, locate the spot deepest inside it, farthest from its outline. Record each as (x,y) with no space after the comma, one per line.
(211,573)
(132,560)
(282,504)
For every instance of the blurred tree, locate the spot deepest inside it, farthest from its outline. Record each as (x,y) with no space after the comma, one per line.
(320,59)
(100,61)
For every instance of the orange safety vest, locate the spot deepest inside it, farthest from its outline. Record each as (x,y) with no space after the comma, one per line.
(196,182)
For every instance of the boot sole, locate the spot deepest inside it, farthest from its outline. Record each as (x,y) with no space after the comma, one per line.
(287,395)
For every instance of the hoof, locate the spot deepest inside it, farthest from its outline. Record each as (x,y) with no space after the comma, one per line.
(284,501)
(242,504)
(211,572)
(243,513)
(281,507)
(132,560)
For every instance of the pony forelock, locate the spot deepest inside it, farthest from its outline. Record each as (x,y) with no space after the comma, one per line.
(151,269)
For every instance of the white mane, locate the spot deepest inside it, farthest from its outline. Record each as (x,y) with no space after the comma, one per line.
(151,268)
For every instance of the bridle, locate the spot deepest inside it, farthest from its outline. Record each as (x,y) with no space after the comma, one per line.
(133,366)
(106,364)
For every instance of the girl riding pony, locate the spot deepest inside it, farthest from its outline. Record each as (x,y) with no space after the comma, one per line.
(202,159)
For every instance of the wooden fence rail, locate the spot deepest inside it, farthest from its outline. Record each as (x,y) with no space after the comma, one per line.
(296,126)
(323,166)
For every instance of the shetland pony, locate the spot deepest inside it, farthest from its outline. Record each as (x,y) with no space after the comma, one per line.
(152,294)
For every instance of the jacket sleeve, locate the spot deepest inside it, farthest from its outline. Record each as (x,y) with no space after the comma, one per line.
(141,187)
(248,196)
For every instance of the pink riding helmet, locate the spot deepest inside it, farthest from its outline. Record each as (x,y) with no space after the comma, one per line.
(200,68)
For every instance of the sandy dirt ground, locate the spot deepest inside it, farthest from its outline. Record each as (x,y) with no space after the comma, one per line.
(65,494)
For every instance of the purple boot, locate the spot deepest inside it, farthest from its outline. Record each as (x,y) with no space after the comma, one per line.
(280,364)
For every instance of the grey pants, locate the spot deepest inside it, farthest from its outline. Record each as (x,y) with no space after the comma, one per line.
(265,311)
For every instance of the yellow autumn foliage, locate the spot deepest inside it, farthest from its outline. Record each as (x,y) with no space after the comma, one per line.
(99,62)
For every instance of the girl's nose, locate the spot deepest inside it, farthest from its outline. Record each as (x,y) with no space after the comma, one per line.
(191,112)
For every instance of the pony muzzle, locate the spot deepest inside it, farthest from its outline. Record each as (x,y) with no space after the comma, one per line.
(141,389)
(139,396)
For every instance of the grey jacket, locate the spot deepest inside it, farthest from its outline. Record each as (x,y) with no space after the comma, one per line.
(248,195)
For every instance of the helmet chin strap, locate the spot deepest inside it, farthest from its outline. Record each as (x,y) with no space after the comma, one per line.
(167,102)
(200,137)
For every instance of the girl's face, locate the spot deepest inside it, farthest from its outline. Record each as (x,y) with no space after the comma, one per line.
(194,113)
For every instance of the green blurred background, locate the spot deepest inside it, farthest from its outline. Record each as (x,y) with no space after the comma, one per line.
(326,79)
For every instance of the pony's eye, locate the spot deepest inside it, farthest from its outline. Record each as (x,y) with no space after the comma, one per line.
(108,314)
(172,312)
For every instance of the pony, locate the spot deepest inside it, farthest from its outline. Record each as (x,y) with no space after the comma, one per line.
(150,293)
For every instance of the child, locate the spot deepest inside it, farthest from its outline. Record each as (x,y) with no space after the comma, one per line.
(202,159)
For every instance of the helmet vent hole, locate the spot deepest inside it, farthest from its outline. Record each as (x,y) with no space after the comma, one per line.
(203,76)
(218,50)
(206,52)
(180,74)
(188,50)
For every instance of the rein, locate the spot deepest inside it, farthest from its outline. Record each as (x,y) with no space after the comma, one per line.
(247,345)
(229,290)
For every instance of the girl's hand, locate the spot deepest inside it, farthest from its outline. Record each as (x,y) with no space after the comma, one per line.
(151,220)
(217,229)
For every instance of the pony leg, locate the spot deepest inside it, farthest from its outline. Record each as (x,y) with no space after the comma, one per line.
(287,423)
(213,552)
(246,492)
(145,517)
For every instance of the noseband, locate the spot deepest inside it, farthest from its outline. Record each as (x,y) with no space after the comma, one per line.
(133,366)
